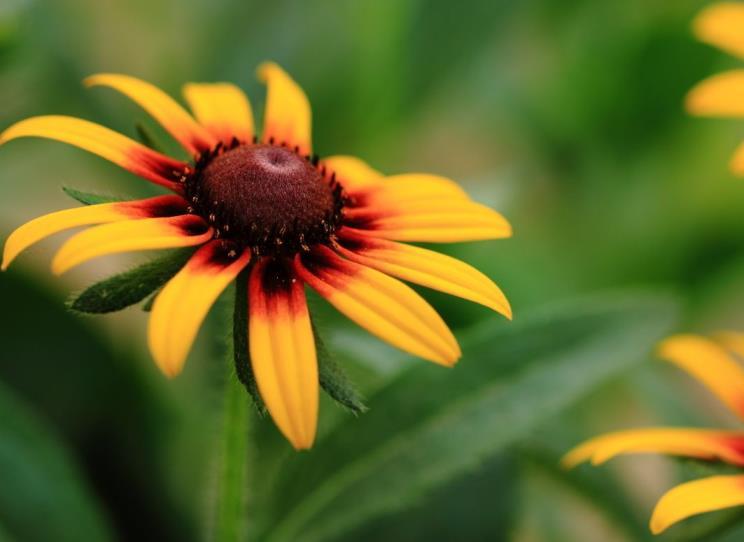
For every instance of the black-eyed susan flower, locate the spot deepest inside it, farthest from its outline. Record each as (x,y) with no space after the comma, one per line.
(714,363)
(721,95)
(262,208)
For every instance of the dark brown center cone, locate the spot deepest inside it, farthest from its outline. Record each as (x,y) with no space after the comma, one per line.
(267,197)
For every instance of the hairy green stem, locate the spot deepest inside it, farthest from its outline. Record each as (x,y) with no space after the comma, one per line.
(232,477)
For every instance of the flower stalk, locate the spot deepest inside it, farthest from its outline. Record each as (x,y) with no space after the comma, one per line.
(230,491)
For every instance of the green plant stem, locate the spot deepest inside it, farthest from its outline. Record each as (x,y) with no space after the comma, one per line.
(232,477)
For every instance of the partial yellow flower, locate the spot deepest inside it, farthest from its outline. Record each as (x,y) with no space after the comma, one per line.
(713,362)
(721,95)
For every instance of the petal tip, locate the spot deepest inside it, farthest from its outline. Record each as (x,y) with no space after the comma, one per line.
(575,456)
(736,165)
(11,132)
(692,101)
(504,309)
(451,359)
(96,79)
(656,525)
(91,81)
(264,69)
(169,367)
(302,444)
(171,370)
(8,257)
(60,266)
(507,229)
(569,461)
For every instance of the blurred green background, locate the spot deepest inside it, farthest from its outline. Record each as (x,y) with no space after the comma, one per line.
(566,115)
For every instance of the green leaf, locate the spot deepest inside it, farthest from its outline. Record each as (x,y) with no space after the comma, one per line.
(243,367)
(43,495)
(63,366)
(125,289)
(454,511)
(730,528)
(88,198)
(430,425)
(333,378)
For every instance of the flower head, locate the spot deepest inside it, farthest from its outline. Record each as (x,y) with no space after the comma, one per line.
(712,362)
(721,95)
(262,208)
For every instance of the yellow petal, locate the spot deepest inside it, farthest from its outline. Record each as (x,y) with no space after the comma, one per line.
(427,268)
(130,235)
(737,161)
(223,109)
(287,114)
(174,118)
(710,364)
(697,497)
(720,25)
(184,302)
(732,340)
(282,351)
(721,95)
(352,173)
(698,443)
(433,221)
(407,188)
(383,305)
(106,143)
(44,226)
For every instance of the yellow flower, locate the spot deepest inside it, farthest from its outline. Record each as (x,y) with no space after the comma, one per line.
(712,362)
(267,204)
(721,95)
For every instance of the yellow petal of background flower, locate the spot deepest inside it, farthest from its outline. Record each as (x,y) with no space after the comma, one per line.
(182,305)
(106,143)
(174,118)
(737,161)
(696,497)
(698,443)
(720,25)
(721,95)
(223,109)
(731,340)
(351,172)
(131,235)
(287,116)
(382,305)
(711,364)
(35,230)
(427,268)
(282,351)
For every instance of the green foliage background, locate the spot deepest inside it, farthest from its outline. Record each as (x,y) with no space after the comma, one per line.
(566,115)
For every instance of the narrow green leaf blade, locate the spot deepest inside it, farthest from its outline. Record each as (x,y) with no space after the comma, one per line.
(430,425)
(454,511)
(88,198)
(42,495)
(125,289)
